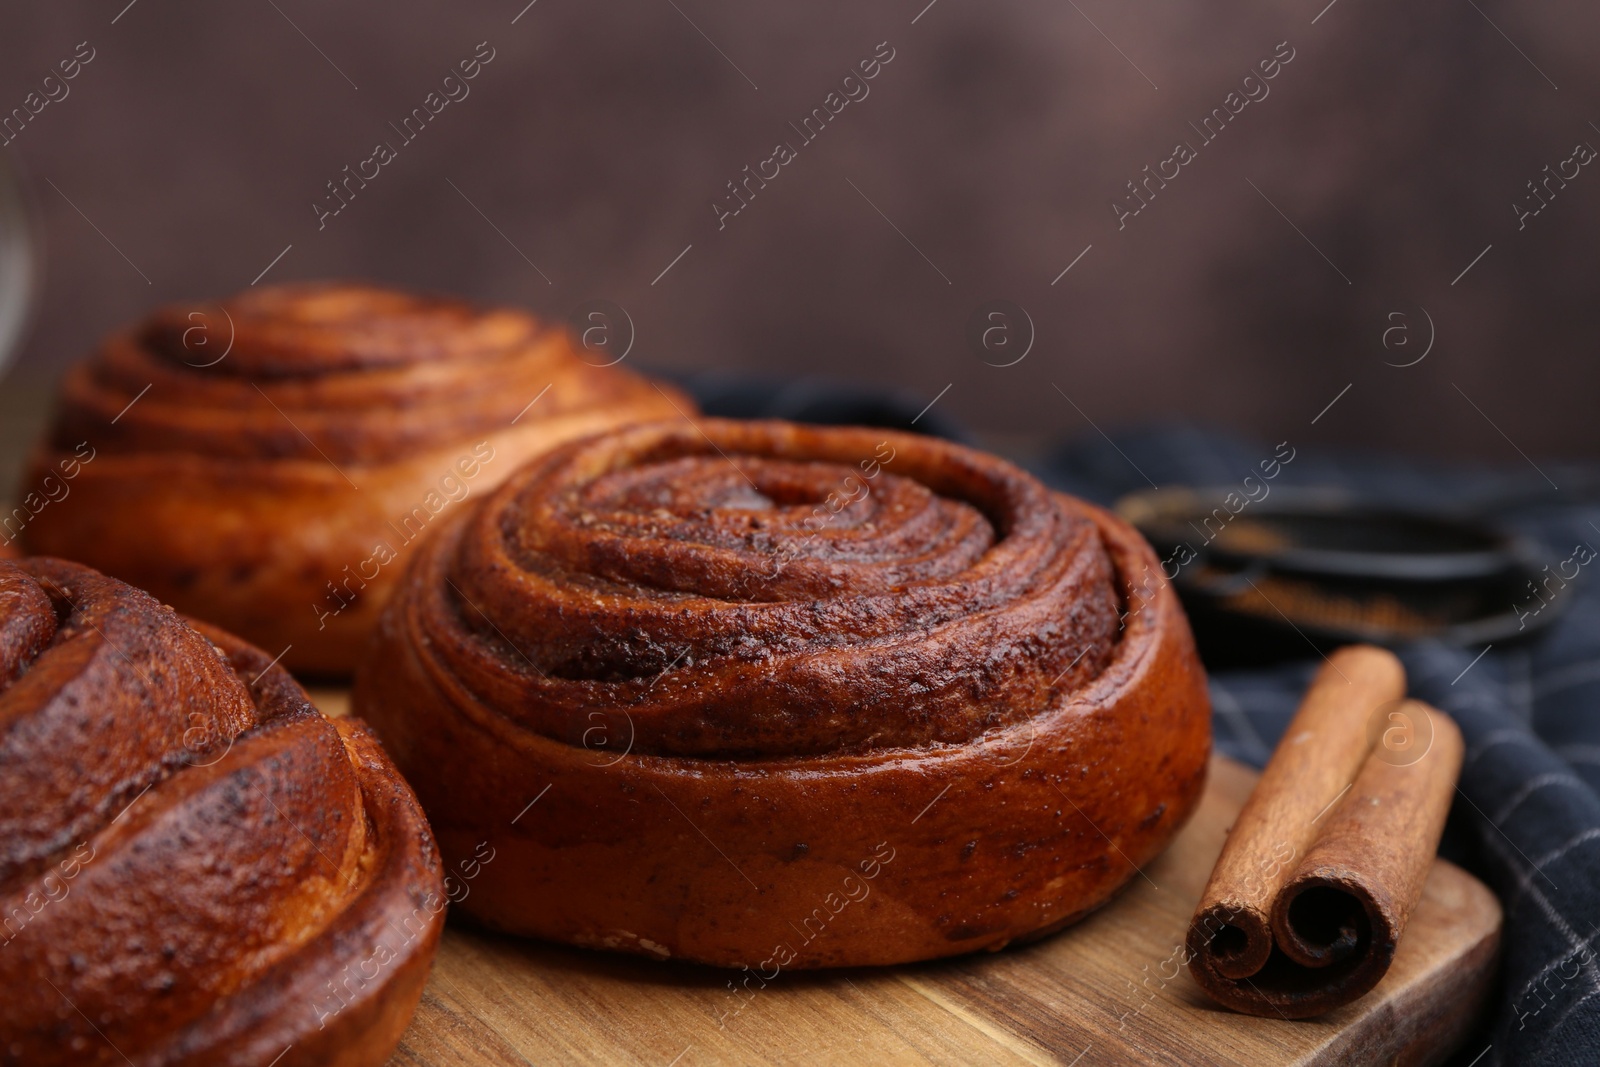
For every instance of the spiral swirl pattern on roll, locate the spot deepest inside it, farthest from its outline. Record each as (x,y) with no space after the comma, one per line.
(246,460)
(192,858)
(753,635)
(800,631)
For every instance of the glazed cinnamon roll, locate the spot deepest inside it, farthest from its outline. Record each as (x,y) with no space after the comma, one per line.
(196,867)
(775,696)
(268,463)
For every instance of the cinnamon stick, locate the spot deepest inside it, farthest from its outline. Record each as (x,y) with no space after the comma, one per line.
(1328,857)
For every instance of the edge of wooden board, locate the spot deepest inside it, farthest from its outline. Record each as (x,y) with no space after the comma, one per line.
(1110,990)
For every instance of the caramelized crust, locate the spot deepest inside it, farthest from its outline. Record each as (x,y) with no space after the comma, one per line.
(243,461)
(194,862)
(746,671)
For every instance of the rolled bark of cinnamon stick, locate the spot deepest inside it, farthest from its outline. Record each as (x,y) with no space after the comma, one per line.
(1328,857)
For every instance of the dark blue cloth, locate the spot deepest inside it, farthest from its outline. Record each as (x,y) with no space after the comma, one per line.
(1527,816)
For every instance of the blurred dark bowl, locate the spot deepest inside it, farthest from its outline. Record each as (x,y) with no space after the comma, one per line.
(1324,568)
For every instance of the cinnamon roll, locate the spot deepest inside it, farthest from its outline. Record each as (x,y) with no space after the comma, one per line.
(268,463)
(196,867)
(776,696)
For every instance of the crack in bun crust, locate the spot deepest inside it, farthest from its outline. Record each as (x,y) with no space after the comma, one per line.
(759,694)
(243,460)
(196,866)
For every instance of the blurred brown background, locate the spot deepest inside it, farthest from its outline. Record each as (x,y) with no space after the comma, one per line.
(982,162)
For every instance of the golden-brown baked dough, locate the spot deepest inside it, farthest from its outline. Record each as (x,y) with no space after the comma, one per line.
(767,695)
(196,867)
(268,463)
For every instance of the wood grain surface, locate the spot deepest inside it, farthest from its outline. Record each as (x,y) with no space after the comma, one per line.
(1111,990)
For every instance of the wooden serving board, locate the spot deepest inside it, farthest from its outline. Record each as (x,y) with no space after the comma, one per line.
(1110,990)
